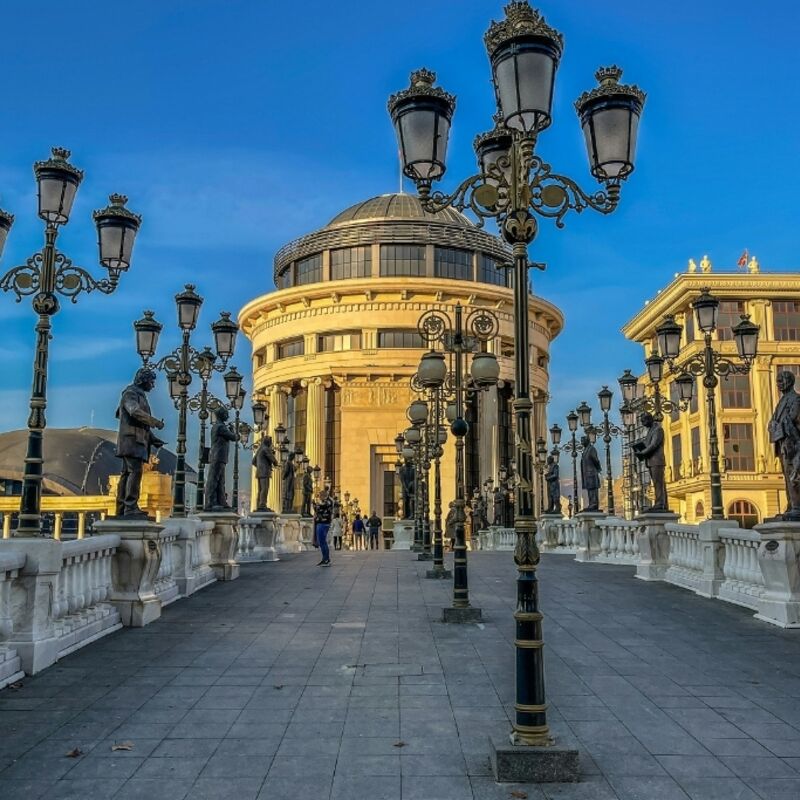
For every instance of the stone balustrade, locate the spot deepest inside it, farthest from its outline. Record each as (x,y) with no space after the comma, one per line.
(497,538)
(10,667)
(758,569)
(619,540)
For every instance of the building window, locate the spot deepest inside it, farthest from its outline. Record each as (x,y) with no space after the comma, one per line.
(389,493)
(694,403)
(744,512)
(297,418)
(336,342)
(290,348)
(699,511)
(736,391)
(351,262)
(677,457)
(490,272)
(697,450)
(285,278)
(507,348)
(309,270)
(786,314)
(259,358)
(675,398)
(333,436)
(400,338)
(689,325)
(450,262)
(729,314)
(402,259)
(505,424)
(738,439)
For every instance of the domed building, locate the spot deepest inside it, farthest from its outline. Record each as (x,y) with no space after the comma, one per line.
(336,344)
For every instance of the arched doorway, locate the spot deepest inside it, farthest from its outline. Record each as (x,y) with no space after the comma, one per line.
(744,512)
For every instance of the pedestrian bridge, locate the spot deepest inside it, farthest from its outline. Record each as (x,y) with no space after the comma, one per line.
(294,682)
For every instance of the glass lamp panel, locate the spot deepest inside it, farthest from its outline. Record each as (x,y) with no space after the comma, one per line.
(555,434)
(628,416)
(746,336)
(655,367)
(115,242)
(610,134)
(407,452)
(432,370)
(147,331)
(418,412)
(584,414)
(706,307)
(450,412)
(233,383)
(280,432)
(189,303)
(485,369)
(572,421)
(259,413)
(685,387)
(668,335)
(524,74)
(413,435)
(225,330)
(605,396)
(175,387)
(627,384)
(423,132)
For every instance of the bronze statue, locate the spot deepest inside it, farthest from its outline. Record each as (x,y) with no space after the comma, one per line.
(264,460)
(551,477)
(590,474)
(287,496)
(222,435)
(497,507)
(651,451)
(407,484)
(480,519)
(134,441)
(308,491)
(784,433)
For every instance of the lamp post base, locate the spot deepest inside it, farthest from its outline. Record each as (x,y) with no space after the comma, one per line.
(462,616)
(438,573)
(527,764)
(425,556)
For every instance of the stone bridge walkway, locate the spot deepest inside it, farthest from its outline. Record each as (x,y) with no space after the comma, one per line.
(306,683)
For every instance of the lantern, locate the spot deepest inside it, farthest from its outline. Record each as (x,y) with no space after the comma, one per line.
(117,227)
(668,334)
(58,182)
(147,330)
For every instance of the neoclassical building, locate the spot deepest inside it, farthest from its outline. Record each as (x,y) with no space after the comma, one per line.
(336,343)
(752,484)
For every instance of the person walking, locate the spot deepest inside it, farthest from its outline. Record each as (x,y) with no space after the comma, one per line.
(374,526)
(335,532)
(358,533)
(323,515)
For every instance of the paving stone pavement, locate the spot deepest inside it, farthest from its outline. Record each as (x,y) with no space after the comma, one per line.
(300,682)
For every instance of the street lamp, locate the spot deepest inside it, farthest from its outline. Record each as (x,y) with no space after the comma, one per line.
(541,462)
(709,365)
(573,447)
(458,336)
(608,430)
(48,274)
(180,365)
(524,52)
(236,395)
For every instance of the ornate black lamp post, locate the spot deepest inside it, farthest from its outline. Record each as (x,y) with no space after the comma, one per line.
(48,274)
(710,365)
(574,448)
(607,430)
(181,364)
(418,437)
(237,404)
(541,462)
(511,187)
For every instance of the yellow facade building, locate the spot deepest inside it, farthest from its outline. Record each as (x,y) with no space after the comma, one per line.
(752,483)
(336,344)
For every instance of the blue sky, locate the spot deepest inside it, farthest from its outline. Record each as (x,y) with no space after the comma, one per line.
(235,126)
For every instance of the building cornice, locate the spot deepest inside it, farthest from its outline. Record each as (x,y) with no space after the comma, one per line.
(727,286)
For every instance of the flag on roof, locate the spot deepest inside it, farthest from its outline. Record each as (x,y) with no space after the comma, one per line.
(742,262)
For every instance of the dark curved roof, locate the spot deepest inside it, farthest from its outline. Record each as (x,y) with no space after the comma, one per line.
(397,206)
(76,460)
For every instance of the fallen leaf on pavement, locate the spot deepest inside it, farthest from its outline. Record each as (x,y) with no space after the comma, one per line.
(15,686)
(75,753)
(519,794)
(399,744)
(278,686)
(122,746)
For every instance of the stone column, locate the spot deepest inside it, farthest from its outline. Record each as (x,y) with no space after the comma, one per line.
(653,544)
(81,524)
(7,525)
(315,429)
(487,443)
(278,413)
(779,559)
(588,535)
(58,524)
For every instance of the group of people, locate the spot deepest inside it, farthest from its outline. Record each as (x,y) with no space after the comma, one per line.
(329,524)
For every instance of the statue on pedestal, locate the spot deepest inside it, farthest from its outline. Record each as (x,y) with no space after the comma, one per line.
(134,442)
(287,491)
(590,474)
(407,486)
(651,451)
(784,433)
(264,461)
(222,434)
(497,506)
(308,491)
(480,518)
(552,478)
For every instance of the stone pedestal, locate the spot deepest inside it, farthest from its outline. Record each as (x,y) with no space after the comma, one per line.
(306,533)
(264,534)
(34,637)
(548,533)
(524,764)
(713,555)
(403,533)
(439,573)
(588,534)
(134,569)
(461,616)
(224,540)
(654,545)
(779,559)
